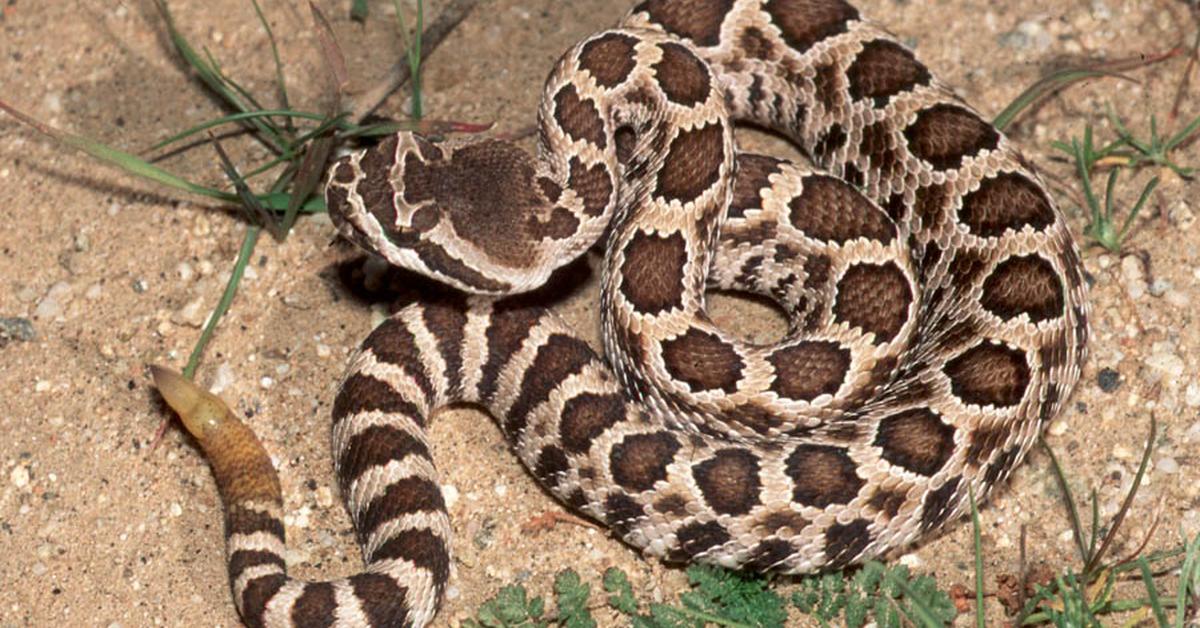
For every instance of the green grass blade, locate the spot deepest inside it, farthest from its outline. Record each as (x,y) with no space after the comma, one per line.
(1046,86)
(239,268)
(235,117)
(1072,510)
(130,163)
(1182,135)
(280,82)
(1160,616)
(1189,581)
(977,539)
(1095,559)
(1137,208)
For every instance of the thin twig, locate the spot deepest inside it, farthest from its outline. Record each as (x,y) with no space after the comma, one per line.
(400,72)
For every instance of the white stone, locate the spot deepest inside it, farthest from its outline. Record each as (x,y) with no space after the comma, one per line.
(19,476)
(450,494)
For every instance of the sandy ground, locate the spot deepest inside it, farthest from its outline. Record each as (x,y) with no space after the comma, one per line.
(112,273)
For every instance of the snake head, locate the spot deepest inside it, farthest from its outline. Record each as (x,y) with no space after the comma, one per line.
(473,215)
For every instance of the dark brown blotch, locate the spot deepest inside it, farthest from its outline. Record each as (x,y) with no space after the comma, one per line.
(753,176)
(874,298)
(939,504)
(683,77)
(883,69)
(551,466)
(586,416)
(829,210)
(803,23)
(768,555)
(845,542)
(579,117)
(984,442)
(621,511)
(640,460)
(989,374)
(421,547)
(916,440)
(944,135)
(512,319)
(315,606)
(376,446)
(698,538)
(446,320)
(383,600)
(809,369)
(998,471)
(652,273)
(1024,285)
(729,481)
(702,361)
(609,58)
(438,260)
(592,184)
(697,20)
(822,475)
(829,144)
(692,164)
(560,357)
(255,596)
(404,496)
(559,225)
(363,393)
(887,502)
(392,343)
(756,45)
(1009,200)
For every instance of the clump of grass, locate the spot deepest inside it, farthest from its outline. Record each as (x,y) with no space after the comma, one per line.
(1082,597)
(888,596)
(1086,158)
(1126,152)
(717,597)
(300,152)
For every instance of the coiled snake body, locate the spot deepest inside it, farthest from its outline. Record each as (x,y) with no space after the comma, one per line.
(936,305)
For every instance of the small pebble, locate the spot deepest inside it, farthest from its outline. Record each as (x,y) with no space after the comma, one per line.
(1166,363)
(1133,277)
(1191,395)
(139,285)
(20,329)
(185,271)
(222,378)
(1159,287)
(176,510)
(191,315)
(1167,465)
(266,382)
(94,291)
(325,497)
(52,304)
(1108,380)
(450,495)
(1193,433)
(19,476)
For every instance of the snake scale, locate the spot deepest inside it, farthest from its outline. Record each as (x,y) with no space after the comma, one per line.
(936,305)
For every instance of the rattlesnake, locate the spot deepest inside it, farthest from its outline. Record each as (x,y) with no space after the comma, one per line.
(936,303)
